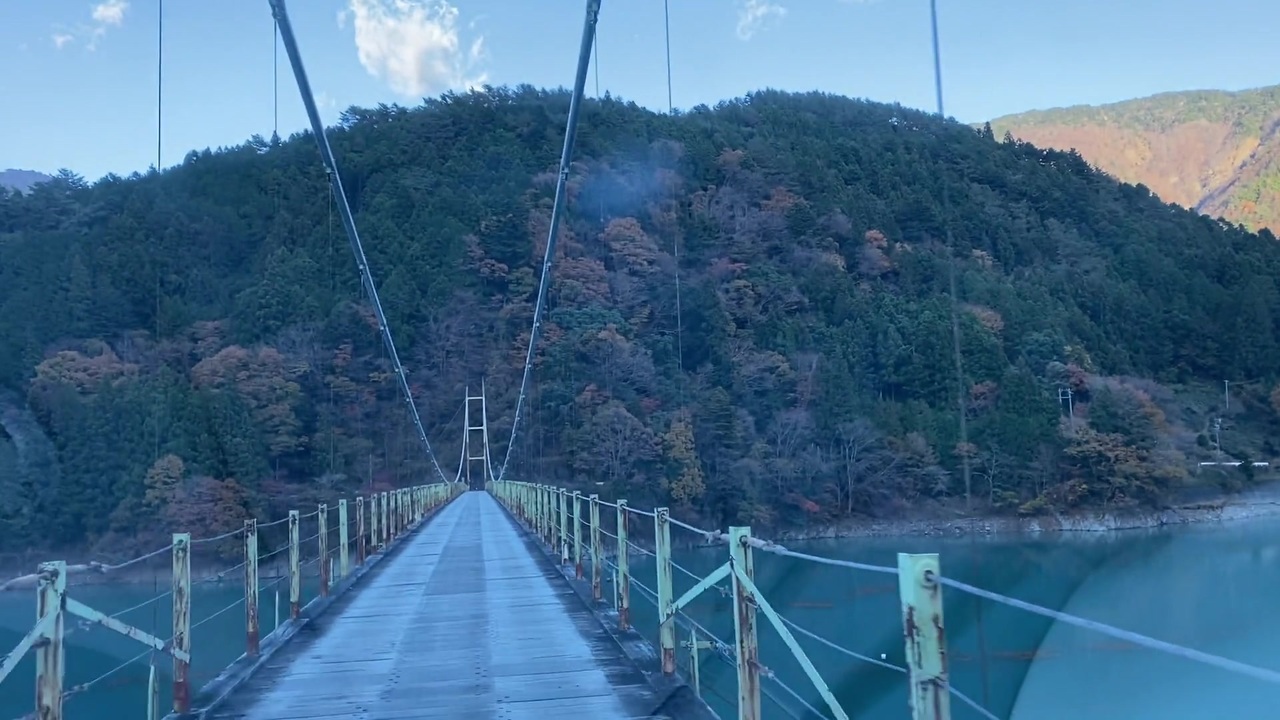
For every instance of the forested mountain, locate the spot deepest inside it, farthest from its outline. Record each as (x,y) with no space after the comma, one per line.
(1215,151)
(191,345)
(20,180)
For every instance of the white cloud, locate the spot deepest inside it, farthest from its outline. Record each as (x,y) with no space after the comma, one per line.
(110,12)
(753,14)
(104,15)
(414,45)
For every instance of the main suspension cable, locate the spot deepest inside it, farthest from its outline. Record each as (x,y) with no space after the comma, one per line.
(557,209)
(348,222)
(951,276)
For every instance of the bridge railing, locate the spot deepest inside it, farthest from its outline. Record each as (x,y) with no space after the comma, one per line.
(338,540)
(600,539)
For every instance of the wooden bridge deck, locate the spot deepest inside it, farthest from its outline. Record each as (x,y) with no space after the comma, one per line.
(468,620)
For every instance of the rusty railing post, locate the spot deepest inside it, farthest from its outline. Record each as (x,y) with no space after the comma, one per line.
(251,633)
(548,516)
(695,662)
(744,626)
(181,621)
(360,538)
(564,526)
(925,636)
(322,515)
(386,519)
(396,525)
(153,694)
(295,568)
(556,528)
(624,573)
(540,501)
(597,550)
(577,534)
(50,663)
(344,540)
(666,599)
(373,523)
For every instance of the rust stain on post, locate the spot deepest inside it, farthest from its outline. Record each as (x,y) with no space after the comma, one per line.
(295,569)
(361,552)
(181,621)
(323,549)
(50,665)
(252,635)
(748,649)
(924,634)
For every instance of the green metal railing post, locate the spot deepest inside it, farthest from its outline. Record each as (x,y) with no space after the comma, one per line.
(544,509)
(624,573)
(373,523)
(553,516)
(295,568)
(666,599)
(360,537)
(597,551)
(923,629)
(558,531)
(50,662)
(564,526)
(322,513)
(577,534)
(696,647)
(251,631)
(744,626)
(386,518)
(344,541)
(153,694)
(181,621)
(393,516)
(540,531)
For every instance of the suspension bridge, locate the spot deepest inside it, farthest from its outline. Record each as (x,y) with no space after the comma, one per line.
(479,596)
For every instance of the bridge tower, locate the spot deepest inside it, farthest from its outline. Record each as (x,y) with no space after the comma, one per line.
(475,443)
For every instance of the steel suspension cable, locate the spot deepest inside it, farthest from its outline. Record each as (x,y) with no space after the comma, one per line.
(965,465)
(348,222)
(159,79)
(557,209)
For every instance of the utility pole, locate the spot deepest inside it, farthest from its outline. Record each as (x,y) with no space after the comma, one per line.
(1065,393)
(1217,437)
(1226,393)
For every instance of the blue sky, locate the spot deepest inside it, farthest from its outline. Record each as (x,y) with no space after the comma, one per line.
(82,73)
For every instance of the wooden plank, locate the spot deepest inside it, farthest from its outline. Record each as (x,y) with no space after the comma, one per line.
(464,623)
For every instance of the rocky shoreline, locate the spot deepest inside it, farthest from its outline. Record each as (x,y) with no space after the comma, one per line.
(1261,502)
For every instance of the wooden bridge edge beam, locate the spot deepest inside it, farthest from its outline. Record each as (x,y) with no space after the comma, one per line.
(217,691)
(674,694)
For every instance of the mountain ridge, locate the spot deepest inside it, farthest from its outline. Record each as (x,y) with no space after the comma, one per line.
(21,180)
(195,343)
(1214,151)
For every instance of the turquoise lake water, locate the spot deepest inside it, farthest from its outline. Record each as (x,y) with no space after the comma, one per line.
(1206,587)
